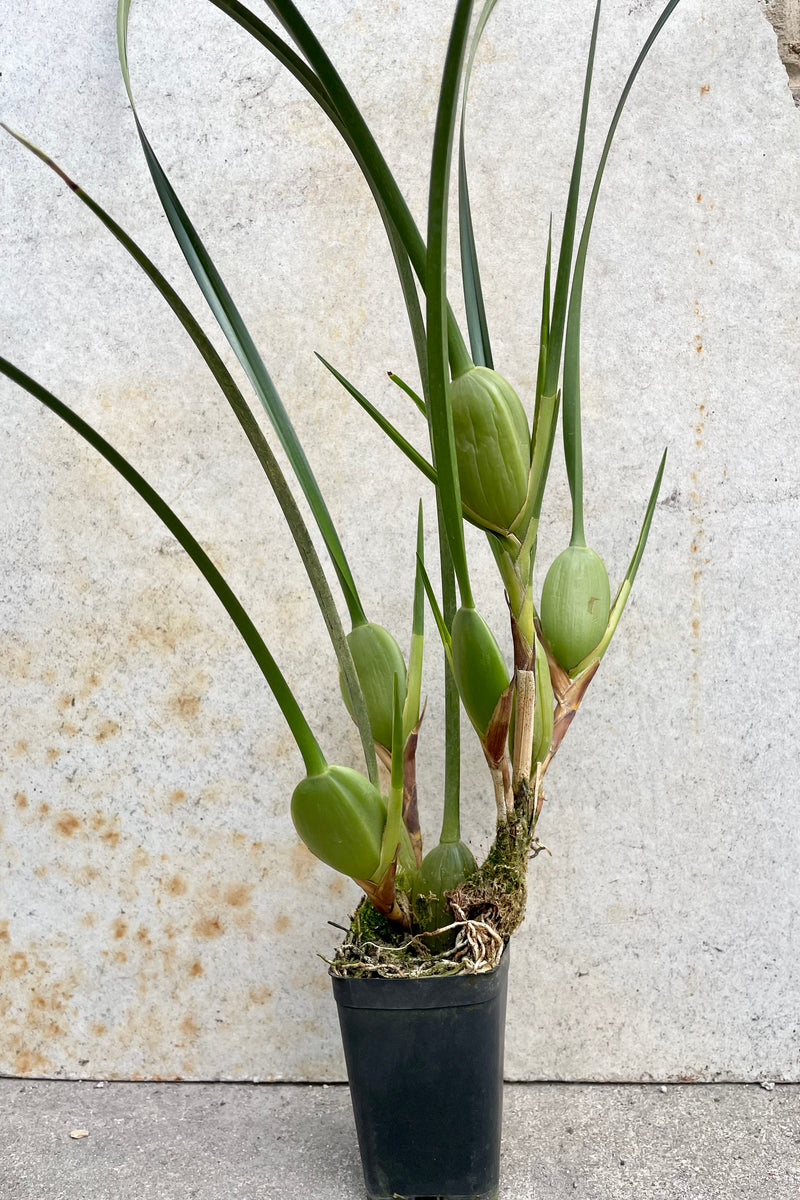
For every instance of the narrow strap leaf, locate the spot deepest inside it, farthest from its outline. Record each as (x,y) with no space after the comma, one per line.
(470,272)
(410,452)
(394,809)
(235,330)
(307,744)
(369,156)
(409,391)
(544,332)
(621,598)
(440,417)
(441,624)
(411,708)
(258,442)
(571,398)
(452,700)
(556,338)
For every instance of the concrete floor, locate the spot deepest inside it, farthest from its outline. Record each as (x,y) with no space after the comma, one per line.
(297,1142)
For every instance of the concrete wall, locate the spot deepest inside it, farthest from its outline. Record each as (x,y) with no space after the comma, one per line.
(157,916)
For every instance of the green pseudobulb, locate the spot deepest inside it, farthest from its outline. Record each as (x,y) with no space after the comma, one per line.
(377,658)
(341,817)
(576,602)
(479,667)
(493,446)
(443,869)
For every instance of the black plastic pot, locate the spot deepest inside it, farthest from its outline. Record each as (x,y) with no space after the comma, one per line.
(425,1064)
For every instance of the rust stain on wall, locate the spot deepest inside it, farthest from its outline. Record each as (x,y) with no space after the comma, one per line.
(105,730)
(238,895)
(302,861)
(67,824)
(208,927)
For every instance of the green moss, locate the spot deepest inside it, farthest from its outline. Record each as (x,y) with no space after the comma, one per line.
(495,895)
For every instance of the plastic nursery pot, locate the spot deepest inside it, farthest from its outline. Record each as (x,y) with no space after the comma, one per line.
(425,1064)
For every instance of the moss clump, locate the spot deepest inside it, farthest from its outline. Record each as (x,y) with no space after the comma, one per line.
(492,899)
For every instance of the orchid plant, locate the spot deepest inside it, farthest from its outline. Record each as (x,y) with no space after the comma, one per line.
(487,463)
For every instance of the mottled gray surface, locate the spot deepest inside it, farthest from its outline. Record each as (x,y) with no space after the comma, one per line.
(157,917)
(560,1142)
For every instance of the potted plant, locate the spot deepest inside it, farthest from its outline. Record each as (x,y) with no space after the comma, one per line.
(420,978)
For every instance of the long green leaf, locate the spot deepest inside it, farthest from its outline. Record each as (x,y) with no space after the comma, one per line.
(258,442)
(411,707)
(556,337)
(452,700)
(235,330)
(441,624)
(306,742)
(409,391)
(573,450)
(410,452)
(621,598)
(440,417)
(358,136)
(470,271)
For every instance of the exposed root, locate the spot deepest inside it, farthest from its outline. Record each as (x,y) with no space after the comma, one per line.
(488,907)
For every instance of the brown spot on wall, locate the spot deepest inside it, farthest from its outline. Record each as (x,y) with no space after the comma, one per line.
(176,886)
(31,1062)
(238,895)
(196,968)
(4,931)
(119,957)
(17,963)
(86,876)
(20,748)
(189,1027)
(139,859)
(177,797)
(208,927)
(260,995)
(337,886)
(67,824)
(699,197)
(111,838)
(89,919)
(185,706)
(44,809)
(705,88)
(303,862)
(66,701)
(53,754)
(98,1029)
(282,923)
(119,927)
(20,800)
(105,730)
(143,935)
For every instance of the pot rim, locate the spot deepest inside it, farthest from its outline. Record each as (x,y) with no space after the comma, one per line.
(432,991)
